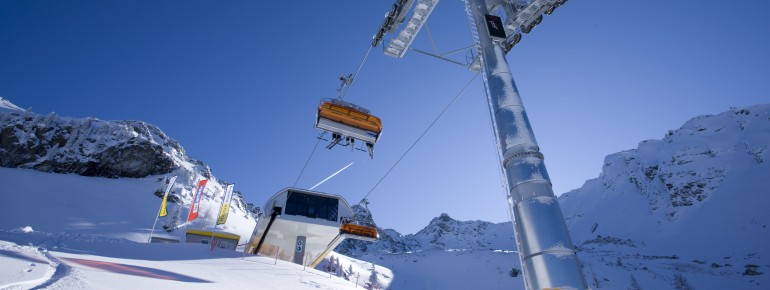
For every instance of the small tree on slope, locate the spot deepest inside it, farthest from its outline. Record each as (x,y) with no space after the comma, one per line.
(680,283)
(373,281)
(634,284)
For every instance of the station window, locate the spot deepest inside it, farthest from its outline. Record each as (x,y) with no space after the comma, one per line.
(312,206)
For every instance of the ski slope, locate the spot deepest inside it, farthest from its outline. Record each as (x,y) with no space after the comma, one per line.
(64,231)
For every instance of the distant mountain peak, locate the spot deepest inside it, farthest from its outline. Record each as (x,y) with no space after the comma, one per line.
(442,233)
(442,219)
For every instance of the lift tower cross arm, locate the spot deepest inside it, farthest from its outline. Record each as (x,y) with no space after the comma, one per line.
(521,17)
(400,43)
(548,257)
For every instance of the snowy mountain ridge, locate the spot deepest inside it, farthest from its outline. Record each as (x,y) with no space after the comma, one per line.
(710,160)
(695,202)
(442,233)
(112,149)
(88,147)
(688,210)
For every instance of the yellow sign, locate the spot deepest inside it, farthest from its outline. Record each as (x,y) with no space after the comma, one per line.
(225,209)
(163,211)
(223,214)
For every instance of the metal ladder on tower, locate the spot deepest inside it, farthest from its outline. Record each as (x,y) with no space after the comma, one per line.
(477,54)
(473,65)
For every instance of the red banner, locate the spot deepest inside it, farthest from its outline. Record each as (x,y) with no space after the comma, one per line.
(197,200)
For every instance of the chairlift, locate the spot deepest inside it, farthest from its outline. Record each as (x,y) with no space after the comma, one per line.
(360,227)
(348,122)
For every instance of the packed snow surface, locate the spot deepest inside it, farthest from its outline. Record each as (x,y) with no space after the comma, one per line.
(64,231)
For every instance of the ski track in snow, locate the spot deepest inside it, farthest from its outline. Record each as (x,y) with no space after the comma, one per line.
(62,276)
(55,272)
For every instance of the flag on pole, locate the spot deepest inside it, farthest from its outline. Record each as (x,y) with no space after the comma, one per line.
(163,211)
(225,208)
(197,201)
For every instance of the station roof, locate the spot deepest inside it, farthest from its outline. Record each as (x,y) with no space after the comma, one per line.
(218,234)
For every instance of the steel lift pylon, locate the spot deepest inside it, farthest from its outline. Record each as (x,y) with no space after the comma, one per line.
(547,254)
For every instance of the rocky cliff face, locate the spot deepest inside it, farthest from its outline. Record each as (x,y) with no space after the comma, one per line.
(112,149)
(692,205)
(711,162)
(89,147)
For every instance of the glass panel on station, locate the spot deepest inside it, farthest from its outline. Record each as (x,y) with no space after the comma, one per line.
(312,206)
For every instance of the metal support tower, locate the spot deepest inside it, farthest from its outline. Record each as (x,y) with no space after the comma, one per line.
(548,257)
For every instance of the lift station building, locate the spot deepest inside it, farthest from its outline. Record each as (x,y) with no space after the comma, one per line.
(220,239)
(303,226)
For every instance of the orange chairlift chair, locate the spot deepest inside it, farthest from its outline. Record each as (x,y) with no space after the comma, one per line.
(361,226)
(349,122)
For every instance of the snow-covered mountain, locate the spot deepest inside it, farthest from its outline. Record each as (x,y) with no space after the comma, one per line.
(112,149)
(88,147)
(706,177)
(695,201)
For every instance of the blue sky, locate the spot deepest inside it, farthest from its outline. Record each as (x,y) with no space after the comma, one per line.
(237,84)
